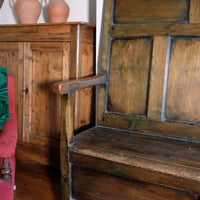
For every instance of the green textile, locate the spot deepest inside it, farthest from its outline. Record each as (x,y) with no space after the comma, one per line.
(4,104)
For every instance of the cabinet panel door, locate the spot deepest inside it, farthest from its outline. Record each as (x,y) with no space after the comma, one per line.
(84,99)
(11,57)
(46,63)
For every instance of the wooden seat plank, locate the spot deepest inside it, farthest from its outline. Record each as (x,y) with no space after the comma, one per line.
(169,158)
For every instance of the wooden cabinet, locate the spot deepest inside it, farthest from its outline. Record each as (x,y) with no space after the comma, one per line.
(37,56)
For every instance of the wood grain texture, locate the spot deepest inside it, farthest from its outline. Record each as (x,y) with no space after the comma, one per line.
(105,56)
(170,156)
(67,132)
(129,76)
(82,65)
(154,159)
(182,101)
(148,11)
(93,185)
(37,55)
(11,57)
(70,86)
(169,129)
(44,32)
(35,181)
(130,30)
(194,14)
(45,70)
(157,77)
(85,98)
(43,153)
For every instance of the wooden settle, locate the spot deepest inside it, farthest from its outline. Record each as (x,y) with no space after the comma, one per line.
(146,142)
(37,55)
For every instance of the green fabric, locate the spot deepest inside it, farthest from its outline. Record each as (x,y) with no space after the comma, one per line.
(4,104)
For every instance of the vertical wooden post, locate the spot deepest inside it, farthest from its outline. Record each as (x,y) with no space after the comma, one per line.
(67,106)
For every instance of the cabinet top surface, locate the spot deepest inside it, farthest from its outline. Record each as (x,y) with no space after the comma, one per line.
(46,32)
(47,24)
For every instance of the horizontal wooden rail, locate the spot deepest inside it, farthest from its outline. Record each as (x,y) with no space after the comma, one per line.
(70,86)
(135,30)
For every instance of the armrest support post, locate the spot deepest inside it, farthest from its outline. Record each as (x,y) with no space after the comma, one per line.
(67,103)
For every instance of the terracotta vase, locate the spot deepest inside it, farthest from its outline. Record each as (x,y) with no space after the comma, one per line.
(28,11)
(58,10)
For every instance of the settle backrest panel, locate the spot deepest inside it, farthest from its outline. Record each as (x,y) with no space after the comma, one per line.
(151,54)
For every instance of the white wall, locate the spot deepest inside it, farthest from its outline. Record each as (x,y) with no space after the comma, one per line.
(99,32)
(80,10)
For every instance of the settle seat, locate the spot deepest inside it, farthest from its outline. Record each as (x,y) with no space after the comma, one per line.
(8,141)
(146,143)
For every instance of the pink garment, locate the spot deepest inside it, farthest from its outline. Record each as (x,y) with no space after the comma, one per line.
(6,191)
(8,137)
(8,141)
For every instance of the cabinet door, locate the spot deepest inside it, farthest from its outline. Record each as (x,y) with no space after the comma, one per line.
(11,57)
(46,63)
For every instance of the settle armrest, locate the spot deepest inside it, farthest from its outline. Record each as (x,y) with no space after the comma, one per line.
(70,86)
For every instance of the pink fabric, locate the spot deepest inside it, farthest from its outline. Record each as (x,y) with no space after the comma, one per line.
(6,191)
(9,133)
(8,141)
(8,137)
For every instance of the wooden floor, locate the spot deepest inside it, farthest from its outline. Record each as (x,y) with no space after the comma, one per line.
(36,182)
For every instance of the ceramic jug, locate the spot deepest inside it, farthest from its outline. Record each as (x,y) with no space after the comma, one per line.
(58,10)
(28,11)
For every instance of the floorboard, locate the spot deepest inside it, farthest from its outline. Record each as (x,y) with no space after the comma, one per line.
(35,182)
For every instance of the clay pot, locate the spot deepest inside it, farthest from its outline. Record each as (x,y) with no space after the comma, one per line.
(58,10)
(28,11)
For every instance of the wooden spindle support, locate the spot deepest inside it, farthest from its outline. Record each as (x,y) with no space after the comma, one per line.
(6,171)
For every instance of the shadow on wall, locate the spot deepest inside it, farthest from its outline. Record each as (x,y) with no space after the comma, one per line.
(14,13)
(100,44)
(1,3)
(92,11)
